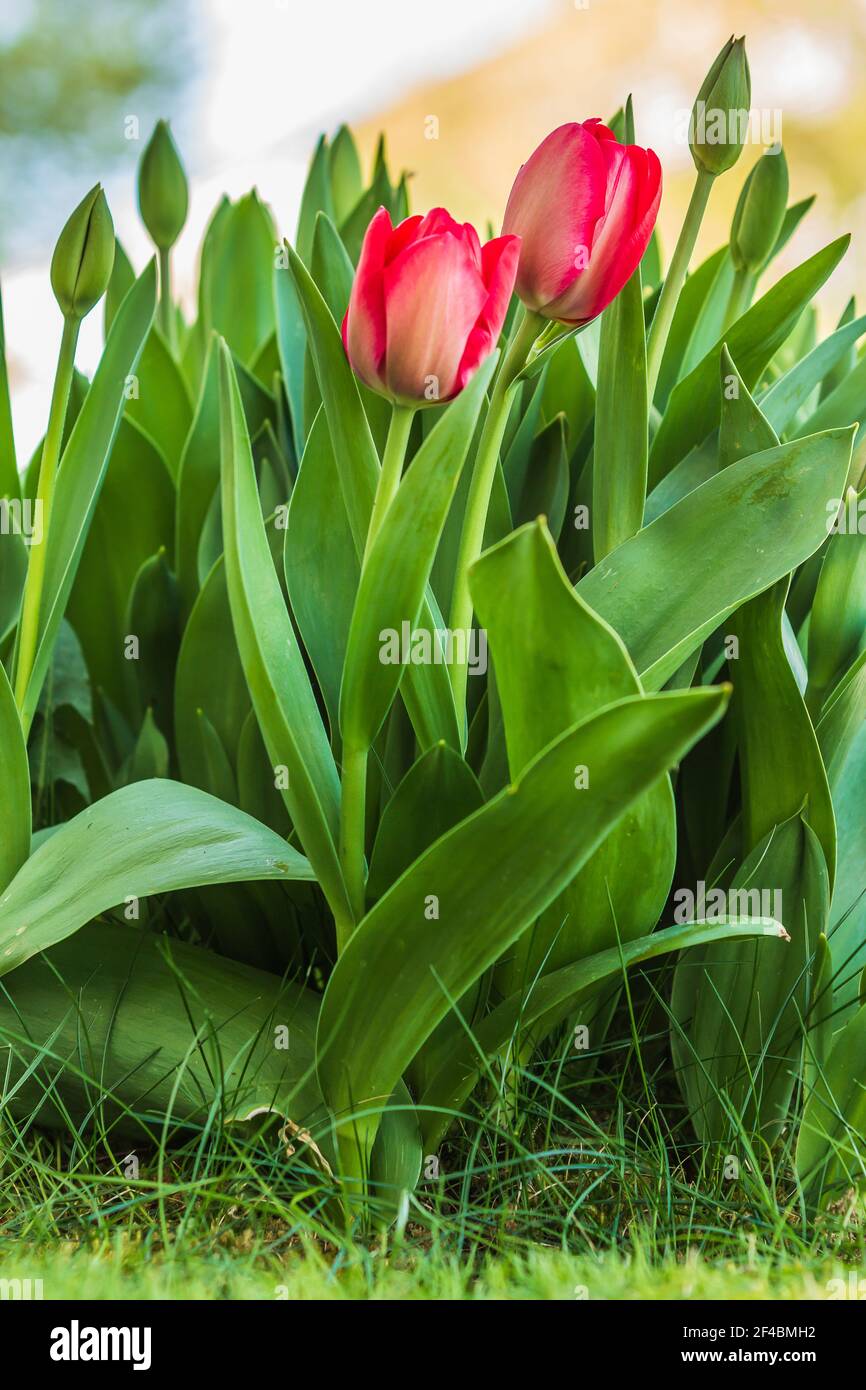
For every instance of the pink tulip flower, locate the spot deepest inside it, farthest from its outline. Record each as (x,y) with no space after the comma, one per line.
(427,305)
(585,207)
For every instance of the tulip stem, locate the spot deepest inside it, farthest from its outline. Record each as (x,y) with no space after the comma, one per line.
(675,278)
(28,632)
(481,486)
(166,311)
(353,818)
(740,297)
(392,469)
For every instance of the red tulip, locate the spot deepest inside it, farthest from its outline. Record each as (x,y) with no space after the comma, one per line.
(427,305)
(584,206)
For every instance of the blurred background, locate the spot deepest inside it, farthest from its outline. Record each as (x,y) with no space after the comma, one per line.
(464,90)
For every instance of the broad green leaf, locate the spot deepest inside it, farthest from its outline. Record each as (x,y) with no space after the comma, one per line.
(142,1028)
(781,769)
(697,309)
(153,619)
(557,994)
(136,503)
(316,198)
(667,588)
(743,427)
(619,470)
(437,930)
(842,717)
(83,466)
(397,569)
(240,277)
(13,572)
(558,663)
(832,1136)
(151,837)
(786,397)
(838,618)
(344,169)
(321,566)
(547,481)
(693,409)
(198,479)
(209,645)
(438,791)
(121,282)
(845,405)
(14,786)
(848,934)
(426,689)
(160,403)
(737,1009)
(273,664)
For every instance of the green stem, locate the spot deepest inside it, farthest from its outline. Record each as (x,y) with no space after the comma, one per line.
(353,804)
(392,468)
(481,486)
(675,278)
(166,311)
(740,297)
(28,632)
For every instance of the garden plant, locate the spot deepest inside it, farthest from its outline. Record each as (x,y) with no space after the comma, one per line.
(434,666)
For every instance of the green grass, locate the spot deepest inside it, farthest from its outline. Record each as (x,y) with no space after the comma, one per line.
(565,1187)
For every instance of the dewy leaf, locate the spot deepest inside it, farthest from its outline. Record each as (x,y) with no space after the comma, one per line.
(151,837)
(529,841)
(277,678)
(557,662)
(667,588)
(14,786)
(82,468)
(693,409)
(397,569)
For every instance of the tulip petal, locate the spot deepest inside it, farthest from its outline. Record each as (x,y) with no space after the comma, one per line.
(364,335)
(433,297)
(557,198)
(499,259)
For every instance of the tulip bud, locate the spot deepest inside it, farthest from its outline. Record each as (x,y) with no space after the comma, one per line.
(83,257)
(163,194)
(760,212)
(720,115)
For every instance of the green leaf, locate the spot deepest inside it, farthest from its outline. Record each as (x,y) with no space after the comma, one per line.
(558,663)
(426,689)
(240,277)
(667,588)
(842,717)
(160,404)
(438,791)
(787,396)
(151,837)
(274,667)
(344,168)
(529,841)
(557,994)
(146,1028)
(397,569)
(832,1136)
(14,786)
(321,566)
(208,645)
(693,409)
(838,617)
(619,467)
(315,198)
(83,466)
(737,1010)
(136,503)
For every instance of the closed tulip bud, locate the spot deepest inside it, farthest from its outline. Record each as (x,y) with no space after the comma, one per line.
(584,207)
(720,116)
(84,256)
(427,305)
(760,212)
(163,194)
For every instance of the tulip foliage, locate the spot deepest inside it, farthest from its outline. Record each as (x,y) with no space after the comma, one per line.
(405,636)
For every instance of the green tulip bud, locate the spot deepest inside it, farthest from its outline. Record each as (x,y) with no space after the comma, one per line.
(760,212)
(84,256)
(720,115)
(163,193)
